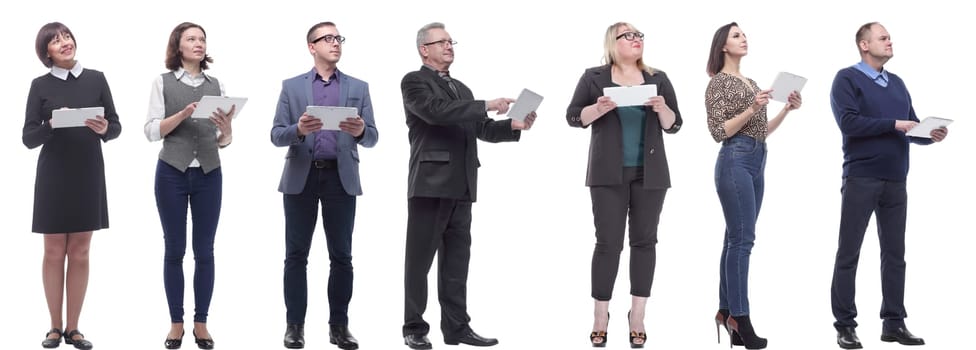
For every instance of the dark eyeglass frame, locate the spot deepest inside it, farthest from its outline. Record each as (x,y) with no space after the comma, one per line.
(329,38)
(631,36)
(442,42)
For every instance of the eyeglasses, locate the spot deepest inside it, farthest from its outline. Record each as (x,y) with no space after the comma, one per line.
(631,36)
(329,38)
(442,42)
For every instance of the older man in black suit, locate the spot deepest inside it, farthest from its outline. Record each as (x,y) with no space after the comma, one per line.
(444,121)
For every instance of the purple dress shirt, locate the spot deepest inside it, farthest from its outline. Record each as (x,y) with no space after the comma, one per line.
(325,93)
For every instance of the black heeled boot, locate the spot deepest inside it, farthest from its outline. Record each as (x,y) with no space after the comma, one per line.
(720,317)
(742,326)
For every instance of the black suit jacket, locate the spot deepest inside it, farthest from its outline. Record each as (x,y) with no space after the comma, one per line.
(605,166)
(444,127)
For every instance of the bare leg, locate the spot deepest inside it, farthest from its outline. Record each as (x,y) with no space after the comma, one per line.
(77,277)
(52,275)
(637,305)
(601,316)
(200,329)
(175,331)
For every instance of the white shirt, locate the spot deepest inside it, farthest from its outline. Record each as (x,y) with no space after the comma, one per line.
(62,73)
(157,106)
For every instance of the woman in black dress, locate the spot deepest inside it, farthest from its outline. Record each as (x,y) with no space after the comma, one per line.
(69,189)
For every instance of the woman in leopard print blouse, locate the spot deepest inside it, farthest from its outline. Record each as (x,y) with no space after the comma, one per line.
(736,109)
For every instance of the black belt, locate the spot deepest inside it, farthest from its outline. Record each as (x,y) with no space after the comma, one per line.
(325,164)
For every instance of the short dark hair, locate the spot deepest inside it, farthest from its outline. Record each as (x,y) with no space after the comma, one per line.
(174,58)
(863,33)
(44,36)
(309,38)
(716,57)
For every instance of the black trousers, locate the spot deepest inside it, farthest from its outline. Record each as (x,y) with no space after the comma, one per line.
(612,206)
(437,226)
(338,218)
(863,196)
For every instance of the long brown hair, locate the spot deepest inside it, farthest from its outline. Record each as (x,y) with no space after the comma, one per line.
(174,58)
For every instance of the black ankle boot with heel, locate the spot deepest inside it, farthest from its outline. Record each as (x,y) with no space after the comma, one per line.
(742,326)
(720,317)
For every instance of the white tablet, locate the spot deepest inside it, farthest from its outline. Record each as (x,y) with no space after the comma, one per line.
(331,115)
(785,84)
(209,104)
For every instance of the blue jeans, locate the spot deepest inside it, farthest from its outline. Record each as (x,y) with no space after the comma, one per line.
(338,214)
(739,182)
(175,191)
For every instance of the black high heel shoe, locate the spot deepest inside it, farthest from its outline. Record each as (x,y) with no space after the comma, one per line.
(720,317)
(602,335)
(174,343)
(51,343)
(636,335)
(203,343)
(80,344)
(742,326)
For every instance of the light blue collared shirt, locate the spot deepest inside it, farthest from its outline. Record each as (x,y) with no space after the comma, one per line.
(880,78)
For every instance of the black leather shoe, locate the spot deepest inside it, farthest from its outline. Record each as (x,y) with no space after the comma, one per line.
(51,343)
(847,338)
(471,338)
(902,336)
(174,343)
(203,343)
(340,336)
(295,336)
(417,341)
(80,344)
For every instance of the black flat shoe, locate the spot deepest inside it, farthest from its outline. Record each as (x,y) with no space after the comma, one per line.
(416,341)
(294,336)
(203,343)
(340,336)
(80,344)
(847,338)
(902,336)
(471,338)
(51,343)
(174,343)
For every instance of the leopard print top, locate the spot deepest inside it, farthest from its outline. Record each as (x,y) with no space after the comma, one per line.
(728,96)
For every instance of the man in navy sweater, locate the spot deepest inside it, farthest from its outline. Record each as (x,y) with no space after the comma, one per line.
(874,111)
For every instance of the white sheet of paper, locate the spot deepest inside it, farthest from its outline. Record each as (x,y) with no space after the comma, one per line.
(209,104)
(74,117)
(331,115)
(527,102)
(631,95)
(785,84)
(924,129)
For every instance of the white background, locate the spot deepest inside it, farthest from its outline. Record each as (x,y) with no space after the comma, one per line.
(529,279)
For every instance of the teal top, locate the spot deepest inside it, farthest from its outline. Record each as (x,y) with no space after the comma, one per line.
(632,122)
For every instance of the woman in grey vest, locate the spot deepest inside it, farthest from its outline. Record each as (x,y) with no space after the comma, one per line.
(188,173)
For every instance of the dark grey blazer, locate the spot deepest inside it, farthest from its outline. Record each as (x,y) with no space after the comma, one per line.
(444,128)
(296,94)
(605,165)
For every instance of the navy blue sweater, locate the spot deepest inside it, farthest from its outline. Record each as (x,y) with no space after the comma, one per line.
(866,114)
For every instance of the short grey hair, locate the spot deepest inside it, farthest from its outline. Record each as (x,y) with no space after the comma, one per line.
(422,33)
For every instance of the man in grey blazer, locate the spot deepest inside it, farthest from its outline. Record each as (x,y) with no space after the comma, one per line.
(321,166)
(445,122)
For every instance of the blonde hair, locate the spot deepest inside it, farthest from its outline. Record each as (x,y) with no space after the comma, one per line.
(610,46)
